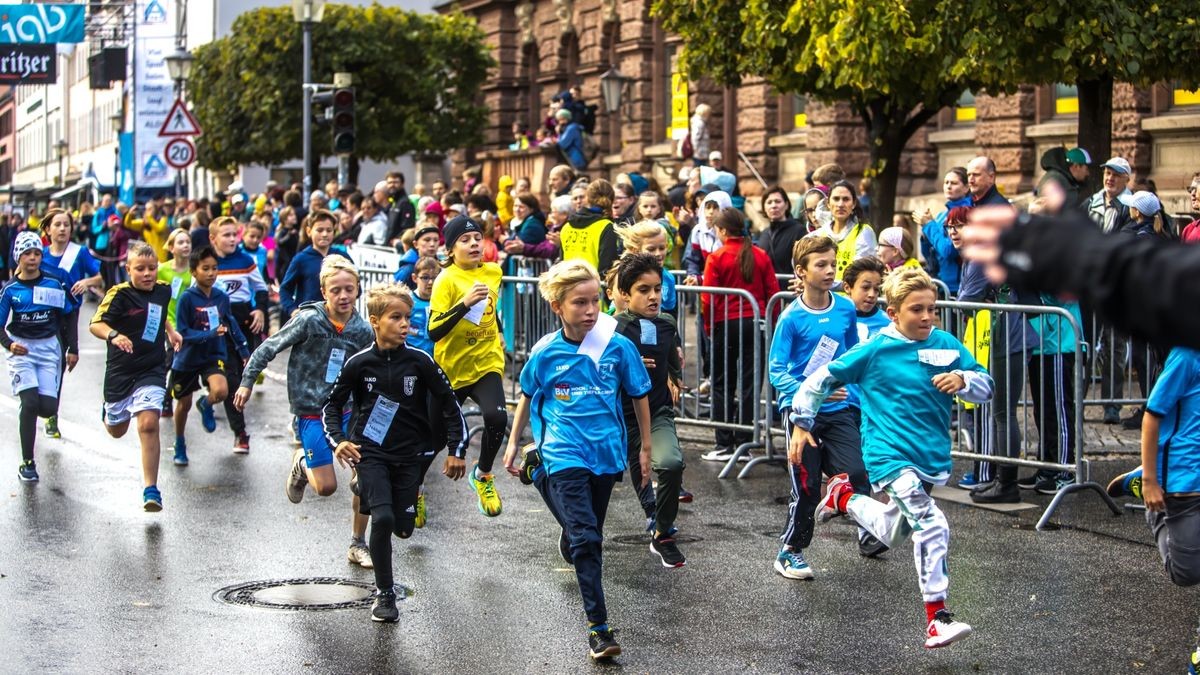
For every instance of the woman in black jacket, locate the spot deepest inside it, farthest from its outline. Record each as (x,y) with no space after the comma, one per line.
(782,234)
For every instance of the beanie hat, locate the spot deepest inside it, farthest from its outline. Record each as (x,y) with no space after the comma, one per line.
(639,183)
(424,231)
(892,236)
(457,227)
(26,241)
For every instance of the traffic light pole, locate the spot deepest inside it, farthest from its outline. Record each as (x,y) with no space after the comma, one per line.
(309,175)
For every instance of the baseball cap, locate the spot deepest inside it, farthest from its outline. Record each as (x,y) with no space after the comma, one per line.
(1118,164)
(1145,202)
(235,186)
(1078,156)
(457,227)
(237,198)
(715,156)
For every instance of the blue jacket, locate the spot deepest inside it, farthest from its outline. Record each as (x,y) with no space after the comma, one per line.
(532,230)
(936,245)
(302,283)
(571,144)
(404,273)
(202,346)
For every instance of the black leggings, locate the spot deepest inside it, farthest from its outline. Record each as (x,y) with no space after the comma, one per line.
(488,392)
(33,406)
(233,375)
(383,525)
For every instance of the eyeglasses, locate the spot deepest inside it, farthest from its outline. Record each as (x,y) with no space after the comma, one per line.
(954,227)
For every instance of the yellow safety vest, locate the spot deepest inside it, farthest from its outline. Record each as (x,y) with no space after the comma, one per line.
(583,244)
(847,248)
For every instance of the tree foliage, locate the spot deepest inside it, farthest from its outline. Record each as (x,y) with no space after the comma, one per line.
(416,79)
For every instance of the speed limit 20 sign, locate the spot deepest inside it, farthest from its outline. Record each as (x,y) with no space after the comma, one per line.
(180,153)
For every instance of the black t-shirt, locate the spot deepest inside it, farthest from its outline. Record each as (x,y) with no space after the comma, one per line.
(660,343)
(140,316)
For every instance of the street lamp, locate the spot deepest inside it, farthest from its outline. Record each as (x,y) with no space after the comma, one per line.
(60,149)
(179,66)
(306,13)
(612,87)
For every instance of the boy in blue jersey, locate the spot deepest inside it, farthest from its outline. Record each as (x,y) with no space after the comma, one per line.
(570,387)
(638,283)
(817,327)
(425,272)
(238,277)
(39,306)
(203,319)
(862,281)
(907,378)
(1168,480)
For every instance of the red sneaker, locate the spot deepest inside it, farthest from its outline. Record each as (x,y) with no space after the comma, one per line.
(827,508)
(944,630)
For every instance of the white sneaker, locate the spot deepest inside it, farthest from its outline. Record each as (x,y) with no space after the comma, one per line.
(944,630)
(297,479)
(723,455)
(361,556)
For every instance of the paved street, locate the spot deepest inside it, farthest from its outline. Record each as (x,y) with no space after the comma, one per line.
(90,583)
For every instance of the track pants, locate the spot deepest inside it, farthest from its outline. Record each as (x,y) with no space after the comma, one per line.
(840,451)
(581,498)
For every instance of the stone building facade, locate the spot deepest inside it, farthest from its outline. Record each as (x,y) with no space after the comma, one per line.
(543,47)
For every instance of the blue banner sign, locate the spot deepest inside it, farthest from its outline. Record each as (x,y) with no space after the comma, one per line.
(41,23)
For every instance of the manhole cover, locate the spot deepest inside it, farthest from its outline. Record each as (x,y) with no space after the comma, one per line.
(644,539)
(314,594)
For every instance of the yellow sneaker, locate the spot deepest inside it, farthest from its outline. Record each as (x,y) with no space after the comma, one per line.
(485,487)
(419,521)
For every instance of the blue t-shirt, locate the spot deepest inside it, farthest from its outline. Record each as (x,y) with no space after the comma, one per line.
(670,297)
(905,418)
(420,322)
(806,339)
(575,404)
(37,307)
(75,264)
(1176,399)
(869,325)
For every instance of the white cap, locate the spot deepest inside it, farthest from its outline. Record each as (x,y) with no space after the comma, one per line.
(715,156)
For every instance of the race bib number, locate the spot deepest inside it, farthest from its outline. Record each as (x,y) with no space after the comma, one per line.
(176,284)
(50,297)
(214,317)
(822,355)
(649,332)
(334,366)
(475,313)
(380,420)
(153,322)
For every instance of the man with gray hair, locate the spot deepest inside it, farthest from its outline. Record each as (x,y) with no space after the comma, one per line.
(981,180)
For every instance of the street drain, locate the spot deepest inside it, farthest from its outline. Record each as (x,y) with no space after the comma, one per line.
(644,539)
(313,594)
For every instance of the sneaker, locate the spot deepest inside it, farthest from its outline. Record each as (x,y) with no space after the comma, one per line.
(602,644)
(664,547)
(27,471)
(827,508)
(791,564)
(384,607)
(360,555)
(1128,484)
(685,497)
(422,514)
(52,427)
(705,387)
(208,416)
(998,493)
(151,499)
(354,488)
(297,479)
(967,481)
(1133,422)
(181,458)
(723,455)
(531,461)
(1030,482)
(944,630)
(869,546)
(983,487)
(1194,662)
(1112,414)
(485,487)
(241,444)
(1051,485)
(564,547)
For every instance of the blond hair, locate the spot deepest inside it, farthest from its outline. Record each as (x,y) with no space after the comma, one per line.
(224,220)
(563,276)
(381,297)
(140,249)
(811,245)
(334,264)
(905,281)
(636,235)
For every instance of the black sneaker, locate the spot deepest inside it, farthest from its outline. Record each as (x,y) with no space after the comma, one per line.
(27,472)
(384,608)
(667,551)
(998,493)
(1030,482)
(564,547)
(1048,485)
(52,427)
(1133,422)
(532,459)
(602,645)
(869,546)
(354,488)
(1112,415)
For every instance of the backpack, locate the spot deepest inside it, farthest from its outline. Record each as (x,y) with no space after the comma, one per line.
(686,151)
(587,118)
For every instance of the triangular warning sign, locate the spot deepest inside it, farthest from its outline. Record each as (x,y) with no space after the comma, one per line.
(179,122)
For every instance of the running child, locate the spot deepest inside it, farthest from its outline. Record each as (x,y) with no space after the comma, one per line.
(650,236)
(397,393)
(906,448)
(238,276)
(639,283)
(79,272)
(425,245)
(467,344)
(862,280)
(203,319)
(301,283)
(131,319)
(38,312)
(179,276)
(572,384)
(321,335)
(1171,435)
(817,327)
(425,273)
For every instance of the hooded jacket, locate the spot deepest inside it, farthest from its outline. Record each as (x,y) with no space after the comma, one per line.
(1054,161)
(590,235)
(504,199)
(703,240)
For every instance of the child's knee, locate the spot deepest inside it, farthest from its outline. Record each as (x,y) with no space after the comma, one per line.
(147,423)
(117,430)
(496,418)
(383,518)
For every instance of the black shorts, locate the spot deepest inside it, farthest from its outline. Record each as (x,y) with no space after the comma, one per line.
(182,383)
(381,483)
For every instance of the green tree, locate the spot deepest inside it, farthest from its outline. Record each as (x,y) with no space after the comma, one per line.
(890,60)
(416,79)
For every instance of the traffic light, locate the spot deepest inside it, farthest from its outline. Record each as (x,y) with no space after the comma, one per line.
(343,121)
(322,116)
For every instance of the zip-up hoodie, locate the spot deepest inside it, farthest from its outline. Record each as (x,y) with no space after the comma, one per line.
(313,365)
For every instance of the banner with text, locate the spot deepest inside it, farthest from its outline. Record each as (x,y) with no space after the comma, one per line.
(28,64)
(41,23)
(153,91)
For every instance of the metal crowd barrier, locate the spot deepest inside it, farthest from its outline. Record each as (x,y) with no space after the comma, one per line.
(368,279)
(1118,365)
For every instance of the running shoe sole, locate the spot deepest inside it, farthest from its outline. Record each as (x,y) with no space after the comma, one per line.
(663,559)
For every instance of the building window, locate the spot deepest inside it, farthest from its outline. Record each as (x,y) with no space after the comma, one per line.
(799,111)
(964,110)
(1183,98)
(1066,99)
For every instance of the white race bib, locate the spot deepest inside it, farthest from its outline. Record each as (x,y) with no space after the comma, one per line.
(649,332)
(937,357)
(380,420)
(336,358)
(475,313)
(153,321)
(176,283)
(51,297)
(822,355)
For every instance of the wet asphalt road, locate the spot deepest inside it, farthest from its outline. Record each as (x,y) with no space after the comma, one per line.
(90,583)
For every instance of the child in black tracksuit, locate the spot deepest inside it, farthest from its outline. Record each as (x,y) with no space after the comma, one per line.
(397,390)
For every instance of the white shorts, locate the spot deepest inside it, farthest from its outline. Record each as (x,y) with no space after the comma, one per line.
(40,368)
(148,397)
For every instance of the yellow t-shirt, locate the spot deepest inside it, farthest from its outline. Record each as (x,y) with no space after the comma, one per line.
(469,351)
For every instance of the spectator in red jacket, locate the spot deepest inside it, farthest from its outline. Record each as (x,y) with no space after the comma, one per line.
(730,321)
(1191,233)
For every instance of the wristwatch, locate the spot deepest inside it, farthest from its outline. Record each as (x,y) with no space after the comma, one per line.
(112,335)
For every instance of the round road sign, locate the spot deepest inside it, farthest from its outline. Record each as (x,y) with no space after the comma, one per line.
(180,153)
